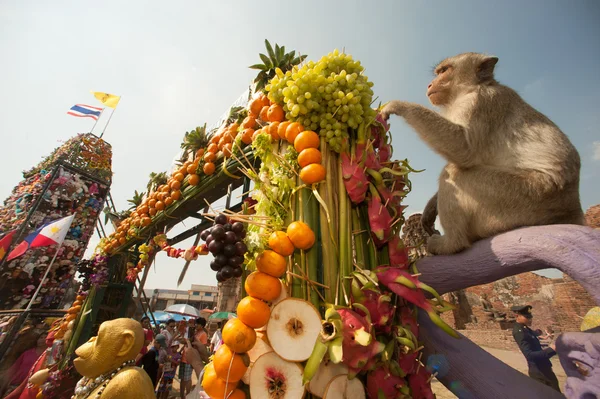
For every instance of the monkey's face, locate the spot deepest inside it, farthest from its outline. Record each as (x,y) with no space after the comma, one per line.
(118,340)
(439,90)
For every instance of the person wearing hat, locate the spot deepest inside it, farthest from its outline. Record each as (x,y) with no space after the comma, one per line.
(153,360)
(538,359)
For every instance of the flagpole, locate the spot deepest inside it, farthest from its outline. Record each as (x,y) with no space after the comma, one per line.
(43,278)
(99,116)
(109,118)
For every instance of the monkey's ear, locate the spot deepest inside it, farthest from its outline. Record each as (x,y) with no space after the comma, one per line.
(485,71)
(127,343)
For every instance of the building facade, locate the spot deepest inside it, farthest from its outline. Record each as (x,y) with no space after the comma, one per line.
(198,296)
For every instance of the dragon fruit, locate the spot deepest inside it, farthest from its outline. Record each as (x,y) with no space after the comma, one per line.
(398,253)
(380,307)
(380,221)
(420,384)
(367,155)
(355,179)
(358,346)
(411,289)
(382,384)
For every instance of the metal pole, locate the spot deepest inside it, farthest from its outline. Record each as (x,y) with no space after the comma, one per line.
(109,118)
(100,116)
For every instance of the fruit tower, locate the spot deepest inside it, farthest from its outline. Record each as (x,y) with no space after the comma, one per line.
(329,295)
(75,178)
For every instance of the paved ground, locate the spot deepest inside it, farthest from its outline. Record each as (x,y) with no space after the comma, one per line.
(513,359)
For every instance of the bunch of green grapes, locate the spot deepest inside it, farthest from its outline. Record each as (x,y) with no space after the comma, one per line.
(331,96)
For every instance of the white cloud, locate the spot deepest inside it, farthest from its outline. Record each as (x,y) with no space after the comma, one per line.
(596,150)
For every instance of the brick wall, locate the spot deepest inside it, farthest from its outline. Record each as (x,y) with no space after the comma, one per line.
(557,303)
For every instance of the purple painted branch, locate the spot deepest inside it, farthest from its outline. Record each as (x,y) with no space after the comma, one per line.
(474,373)
(575,250)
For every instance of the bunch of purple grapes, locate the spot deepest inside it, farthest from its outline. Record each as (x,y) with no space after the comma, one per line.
(225,241)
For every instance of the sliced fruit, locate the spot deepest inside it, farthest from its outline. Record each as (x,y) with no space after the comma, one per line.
(262,286)
(293,329)
(214,386)
(238,336)
(341,387)
(328,370)
(260,348)
(253,312)
(275,378)
(283,295)
(271,262)
(229,365)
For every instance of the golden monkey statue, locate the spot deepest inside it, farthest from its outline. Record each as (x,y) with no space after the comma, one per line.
(106,363)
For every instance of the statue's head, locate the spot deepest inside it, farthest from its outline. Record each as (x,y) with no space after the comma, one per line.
(118,341)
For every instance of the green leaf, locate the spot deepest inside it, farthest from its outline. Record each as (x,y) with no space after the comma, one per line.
(277,53)
(270,50)
(266,60)
(260,67)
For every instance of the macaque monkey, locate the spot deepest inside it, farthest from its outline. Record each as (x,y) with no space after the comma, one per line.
(508,165)
(118,341)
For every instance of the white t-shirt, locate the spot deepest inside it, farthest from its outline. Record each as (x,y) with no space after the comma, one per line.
(216,340)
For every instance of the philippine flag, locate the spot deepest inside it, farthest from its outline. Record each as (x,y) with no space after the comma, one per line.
(50,234)
(83,111)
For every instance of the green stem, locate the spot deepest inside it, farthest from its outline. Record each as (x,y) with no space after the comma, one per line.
(345,239)
(311,217)
(328,246)
(83,315)
(298,286)
(358,239)
(371,249)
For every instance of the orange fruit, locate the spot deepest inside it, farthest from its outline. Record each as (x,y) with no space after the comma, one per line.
(249,122)
(122,240)
(233,127)
(213,385)
(256,133)
(237,394)
(280,243)
(200,153)
(168,201)
(230,366)
(306,139)
(160,205)
(212,148)
(178,176)
(227,148)
(292,131)
(275,113)
(238,336)
(281,128)
(193,180)
(152,211)
(301,235)
(146,221)
(255,106)
(272,129)
(176,194)
(161,196)
(209,168)
(247,135)
(143,209)
(175,185)
(265,100)
(263,113)
(313,173)
(253,312)
(210,156)
(191,169)
(262,286)
(308,156)
(271,262)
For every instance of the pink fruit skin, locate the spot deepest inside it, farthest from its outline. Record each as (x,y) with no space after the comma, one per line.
(356,356)
(370,159)
(380,221)
(381,311)
(398,253)
(381,380)
(419,384)
(355,179)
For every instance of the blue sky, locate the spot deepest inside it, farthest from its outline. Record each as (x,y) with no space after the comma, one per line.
(182,64)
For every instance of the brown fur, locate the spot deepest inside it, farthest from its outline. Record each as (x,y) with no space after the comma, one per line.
(508,165)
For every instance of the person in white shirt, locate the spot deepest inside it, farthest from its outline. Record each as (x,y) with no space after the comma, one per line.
(217,338)
(169,332)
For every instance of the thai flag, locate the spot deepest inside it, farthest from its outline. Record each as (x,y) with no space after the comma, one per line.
(83,111)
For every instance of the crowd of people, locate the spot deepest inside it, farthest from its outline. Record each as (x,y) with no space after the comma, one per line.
(179,347)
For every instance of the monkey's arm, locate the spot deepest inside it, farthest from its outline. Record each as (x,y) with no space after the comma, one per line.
(442,135)
(429,215)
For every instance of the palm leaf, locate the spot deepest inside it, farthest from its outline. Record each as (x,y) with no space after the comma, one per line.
(266,60)
(260,67)
(271,52)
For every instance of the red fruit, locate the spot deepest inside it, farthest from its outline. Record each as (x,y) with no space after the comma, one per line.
(382,384)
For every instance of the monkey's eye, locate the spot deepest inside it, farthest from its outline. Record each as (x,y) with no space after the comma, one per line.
(442,70)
